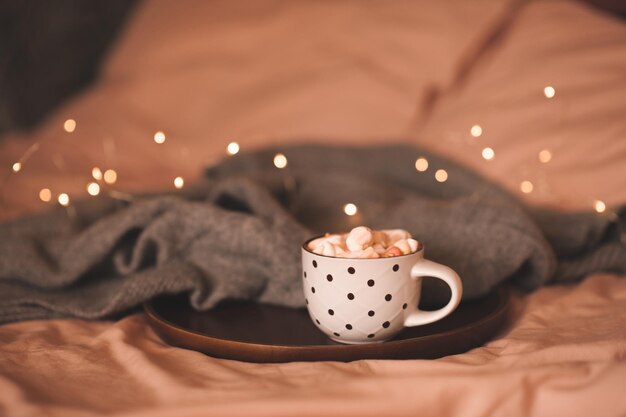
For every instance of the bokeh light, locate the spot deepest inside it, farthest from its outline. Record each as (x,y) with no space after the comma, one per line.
(599,206)
(232,148)
(159,137)
(549,91)
(93,188)
(527,187)
(110,176)
(96,173)
(545,156)
(64,199)
(280,161)
(350,209)
(45,195)
(476,131)
(421,164)
(69,126)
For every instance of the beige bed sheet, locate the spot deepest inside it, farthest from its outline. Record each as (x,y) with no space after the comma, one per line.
(564,356)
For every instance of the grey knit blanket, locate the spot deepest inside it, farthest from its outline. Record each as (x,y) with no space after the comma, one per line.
(237,234)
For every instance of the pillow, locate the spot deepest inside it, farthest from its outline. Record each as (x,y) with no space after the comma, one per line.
(208,73)
(550,100)
(290,70)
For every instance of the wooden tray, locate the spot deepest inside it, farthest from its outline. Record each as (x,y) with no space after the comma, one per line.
(265,333)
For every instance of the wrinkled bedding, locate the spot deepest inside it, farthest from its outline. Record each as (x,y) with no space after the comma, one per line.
(565,355)
(210,73)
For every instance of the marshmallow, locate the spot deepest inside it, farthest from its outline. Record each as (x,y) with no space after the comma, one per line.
(369,253)
(339,250)
(316,242)
(362,242)
(392,251)
(396,234)
(336,240)
(403,245)
(380,249)
(359,238)
(326,249)
(353,254)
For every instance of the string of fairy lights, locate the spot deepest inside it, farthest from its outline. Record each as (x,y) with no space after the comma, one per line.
(101,177)
(526,186)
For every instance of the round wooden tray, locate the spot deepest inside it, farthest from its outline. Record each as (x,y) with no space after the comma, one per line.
(265,333)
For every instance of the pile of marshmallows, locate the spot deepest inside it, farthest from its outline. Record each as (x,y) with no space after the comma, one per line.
(363,242)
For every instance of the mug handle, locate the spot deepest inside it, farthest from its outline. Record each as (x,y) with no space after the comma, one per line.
(432,269)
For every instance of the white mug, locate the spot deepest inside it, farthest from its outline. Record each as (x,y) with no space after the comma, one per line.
(359,301)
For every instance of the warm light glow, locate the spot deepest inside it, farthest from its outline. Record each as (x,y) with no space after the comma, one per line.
(350,209)
(441,175)
(280,161)
(17,166)
(421,164)
(488,154)
(599,206)
(545,156)
(549,91)
(45,195)
(70,125)
(159,137)
(64,199)
(96,173)
(476,131)
(179,182)
(110,176)
(93,188)
(232,148)
(526,187)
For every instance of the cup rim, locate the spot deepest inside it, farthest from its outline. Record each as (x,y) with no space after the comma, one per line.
(420,248)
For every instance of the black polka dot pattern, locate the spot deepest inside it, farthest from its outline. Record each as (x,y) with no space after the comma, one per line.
(353,285)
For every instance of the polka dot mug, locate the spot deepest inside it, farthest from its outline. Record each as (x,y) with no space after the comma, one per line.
(359,301)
